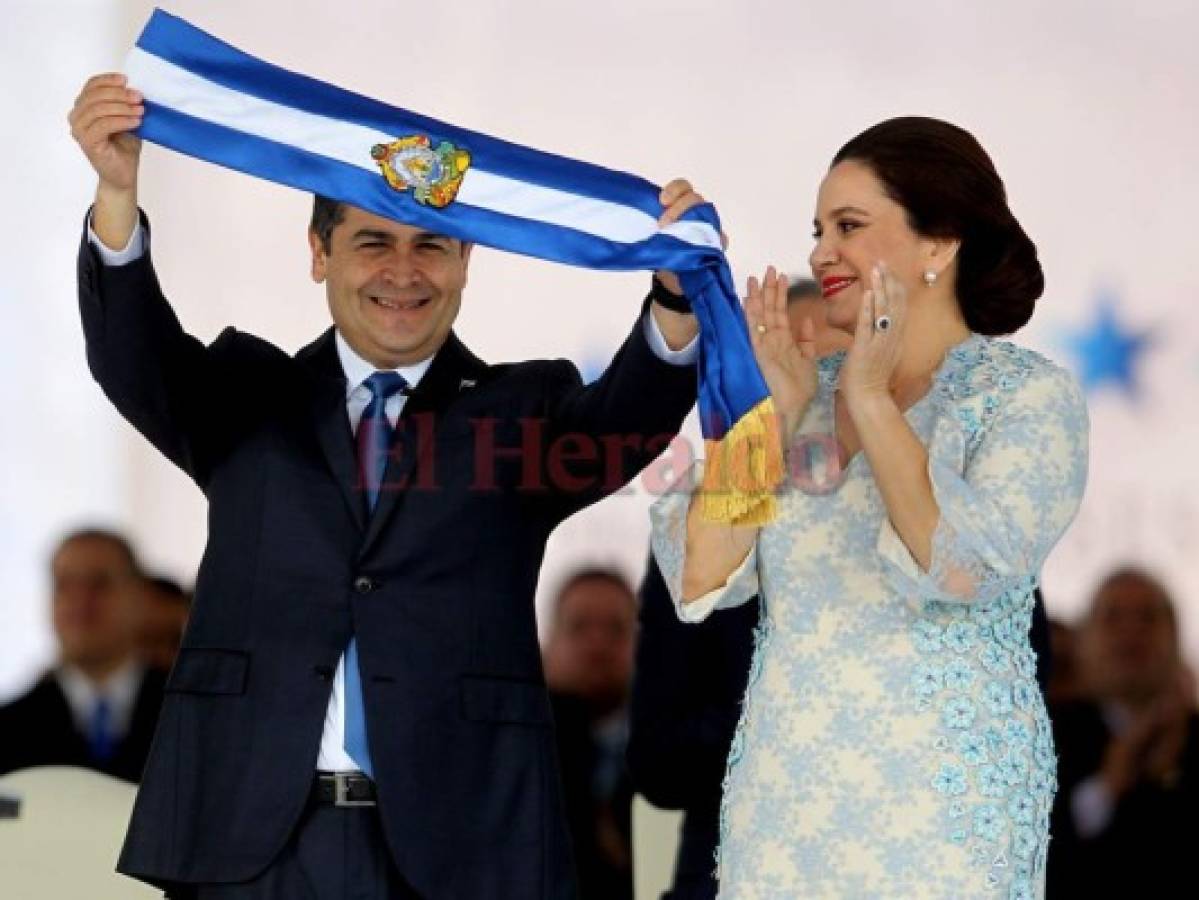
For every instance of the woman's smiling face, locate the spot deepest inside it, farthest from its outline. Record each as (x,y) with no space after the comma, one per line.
(856,226)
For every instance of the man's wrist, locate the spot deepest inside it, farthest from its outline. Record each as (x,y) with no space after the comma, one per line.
(667,299)
(114,215)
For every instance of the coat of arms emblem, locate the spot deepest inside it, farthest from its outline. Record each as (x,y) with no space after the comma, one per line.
(433,174)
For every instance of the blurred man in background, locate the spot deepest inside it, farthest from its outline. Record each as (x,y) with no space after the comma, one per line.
(98,707)
(164,609)
(1126,810)
(804,301)
(686,701)
(589,667)
(1065,682)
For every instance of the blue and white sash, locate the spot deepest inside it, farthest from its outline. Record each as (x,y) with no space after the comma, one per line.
(209,100)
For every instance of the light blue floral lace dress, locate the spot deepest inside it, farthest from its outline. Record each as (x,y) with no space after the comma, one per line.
(893,742)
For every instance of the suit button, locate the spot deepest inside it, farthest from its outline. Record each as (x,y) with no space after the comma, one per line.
(364,584)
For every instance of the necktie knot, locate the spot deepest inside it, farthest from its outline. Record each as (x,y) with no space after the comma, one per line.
(384,385)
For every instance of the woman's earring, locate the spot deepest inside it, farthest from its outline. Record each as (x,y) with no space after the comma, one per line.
(930,277)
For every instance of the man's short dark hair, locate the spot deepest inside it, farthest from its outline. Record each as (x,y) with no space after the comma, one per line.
(327,214)
(592,573)
(119,541)
(801,289)
(1144,577)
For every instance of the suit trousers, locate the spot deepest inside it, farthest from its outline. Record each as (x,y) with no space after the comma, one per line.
(336,853)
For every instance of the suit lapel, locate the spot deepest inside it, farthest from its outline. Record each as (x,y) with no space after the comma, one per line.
(328,406)
(454,370)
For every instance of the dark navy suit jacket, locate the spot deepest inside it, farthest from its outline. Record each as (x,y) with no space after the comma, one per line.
(37,729)
(437,584)
(687,689)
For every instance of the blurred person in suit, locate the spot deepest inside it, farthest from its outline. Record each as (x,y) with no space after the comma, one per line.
(687,687)
(1065,681)
(164,609)
(98,707)
(588,667)
(1128,801)
(805,302)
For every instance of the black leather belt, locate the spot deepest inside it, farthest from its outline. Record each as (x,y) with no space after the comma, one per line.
(343,789)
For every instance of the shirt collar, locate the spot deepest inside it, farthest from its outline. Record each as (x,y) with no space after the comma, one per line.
(357,369)
(120,689)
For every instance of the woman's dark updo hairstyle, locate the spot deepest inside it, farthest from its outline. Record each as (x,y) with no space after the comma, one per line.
(949,187)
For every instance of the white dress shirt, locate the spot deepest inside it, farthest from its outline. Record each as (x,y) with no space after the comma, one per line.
(1091,803)
(120,689)
(332,756)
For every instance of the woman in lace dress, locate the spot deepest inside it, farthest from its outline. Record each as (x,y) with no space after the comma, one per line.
(893,742)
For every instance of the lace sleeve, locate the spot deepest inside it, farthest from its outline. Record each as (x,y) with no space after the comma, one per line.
(668,517)
(1006,505)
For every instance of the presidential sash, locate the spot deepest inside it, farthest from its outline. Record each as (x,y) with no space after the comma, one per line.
(209,100)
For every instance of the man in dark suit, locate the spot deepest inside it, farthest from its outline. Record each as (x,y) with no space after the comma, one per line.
(98,707)
(1124,818)
(588,667)
(358,708)
(164,609)
(688,683)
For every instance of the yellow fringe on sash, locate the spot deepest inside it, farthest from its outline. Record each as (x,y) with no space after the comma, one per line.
(743,469)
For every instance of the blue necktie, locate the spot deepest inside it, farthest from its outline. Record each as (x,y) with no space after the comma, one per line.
(99,737)
(374,444)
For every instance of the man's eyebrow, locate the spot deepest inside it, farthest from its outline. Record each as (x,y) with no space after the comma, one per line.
(372,234)
(432,236)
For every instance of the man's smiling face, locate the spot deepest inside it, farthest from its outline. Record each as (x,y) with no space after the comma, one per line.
(394,291)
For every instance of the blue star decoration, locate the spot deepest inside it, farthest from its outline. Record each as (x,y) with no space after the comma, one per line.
(1106,351)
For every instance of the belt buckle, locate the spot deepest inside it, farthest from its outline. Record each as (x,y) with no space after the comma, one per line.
(341,793)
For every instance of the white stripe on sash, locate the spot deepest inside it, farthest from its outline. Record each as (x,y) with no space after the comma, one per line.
(174,87)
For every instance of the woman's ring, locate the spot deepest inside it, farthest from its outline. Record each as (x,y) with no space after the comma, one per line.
(882,323)
(761,329)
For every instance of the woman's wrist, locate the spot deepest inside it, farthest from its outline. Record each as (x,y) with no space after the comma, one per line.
(866,406)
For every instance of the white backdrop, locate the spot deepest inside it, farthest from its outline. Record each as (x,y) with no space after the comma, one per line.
(1087,108)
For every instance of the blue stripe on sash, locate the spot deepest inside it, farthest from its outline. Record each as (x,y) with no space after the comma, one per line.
(288,165)
(731,385)
(179,42)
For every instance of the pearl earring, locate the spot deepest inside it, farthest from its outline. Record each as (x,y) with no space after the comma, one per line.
(930,277)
